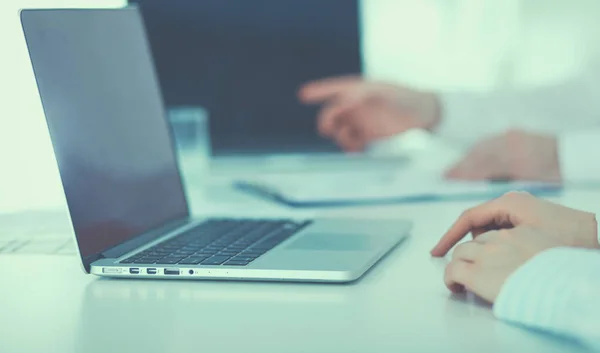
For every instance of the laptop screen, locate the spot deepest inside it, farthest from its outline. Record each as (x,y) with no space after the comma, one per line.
(106,121)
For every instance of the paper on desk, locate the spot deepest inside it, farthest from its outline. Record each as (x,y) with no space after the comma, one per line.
(425,151)
(418,180)
(358,187)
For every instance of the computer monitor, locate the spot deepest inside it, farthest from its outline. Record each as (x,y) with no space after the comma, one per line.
(244,61)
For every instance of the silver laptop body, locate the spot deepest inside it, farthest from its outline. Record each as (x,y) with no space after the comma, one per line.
(120,176)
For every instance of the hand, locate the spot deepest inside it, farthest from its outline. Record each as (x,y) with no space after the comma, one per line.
(483,265)
(357,112)
(513,155)
(568,226)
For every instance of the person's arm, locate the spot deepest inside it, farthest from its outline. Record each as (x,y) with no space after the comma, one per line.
(578,154)
(570,105)
(557,291)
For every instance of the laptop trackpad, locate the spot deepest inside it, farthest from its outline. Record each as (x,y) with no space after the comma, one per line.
(332,242)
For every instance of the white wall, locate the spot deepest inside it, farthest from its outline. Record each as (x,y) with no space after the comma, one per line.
(479,44)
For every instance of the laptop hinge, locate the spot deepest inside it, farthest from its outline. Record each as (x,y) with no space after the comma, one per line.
(87,262)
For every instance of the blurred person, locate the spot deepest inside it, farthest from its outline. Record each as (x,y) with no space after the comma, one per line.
(514,132)
(537,262)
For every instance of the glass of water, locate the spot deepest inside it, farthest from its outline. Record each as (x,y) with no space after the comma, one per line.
(192,139)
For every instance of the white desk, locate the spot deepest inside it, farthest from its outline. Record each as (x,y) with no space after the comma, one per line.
(49,305)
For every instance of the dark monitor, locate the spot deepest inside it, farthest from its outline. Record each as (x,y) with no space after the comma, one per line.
(244,60)
(106,120)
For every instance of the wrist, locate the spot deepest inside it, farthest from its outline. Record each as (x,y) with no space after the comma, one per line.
(553,169)
(432,111)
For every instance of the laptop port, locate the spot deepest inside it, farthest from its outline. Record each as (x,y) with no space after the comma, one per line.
(134,271)
(151,271)
(111,270)
(171,271)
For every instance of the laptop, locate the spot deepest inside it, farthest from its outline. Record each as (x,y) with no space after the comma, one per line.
(120,175)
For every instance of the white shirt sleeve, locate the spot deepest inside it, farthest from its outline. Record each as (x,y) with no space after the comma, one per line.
(579,156)
(557,291)
(567,106)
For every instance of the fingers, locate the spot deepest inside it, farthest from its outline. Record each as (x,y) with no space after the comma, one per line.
(468,251)
(460,169)
(475,218)
(482,268)
(467,165)
(498,213)
(332,116)
(490,236)
(475,232)
(348,139)
(469,168)
(488,159)
(322,90)
(477,167)
(458,275)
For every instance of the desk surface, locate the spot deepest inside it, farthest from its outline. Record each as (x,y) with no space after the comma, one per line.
(49,305)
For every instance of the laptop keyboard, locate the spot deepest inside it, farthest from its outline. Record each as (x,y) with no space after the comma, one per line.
(217,242)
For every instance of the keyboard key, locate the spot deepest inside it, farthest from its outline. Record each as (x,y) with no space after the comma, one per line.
(236,247)
(219,245)
(184,252)
(192,260)
(262,248)
(153,258)
(242,258)
(158,254)
(200,256)
(201,241)
(211,249)
(215,260)
(169,260)
(206,250)
(228,252)
(251,252)
(272,241)
(245,243)
(236,263)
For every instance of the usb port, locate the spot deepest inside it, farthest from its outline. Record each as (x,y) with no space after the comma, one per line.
(134,270)
(151,271)
(171,271)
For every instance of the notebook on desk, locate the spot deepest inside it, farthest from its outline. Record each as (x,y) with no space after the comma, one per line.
(363,188)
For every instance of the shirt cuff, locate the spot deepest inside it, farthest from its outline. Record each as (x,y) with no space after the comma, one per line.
(458,114)
(554,292)
(577,155)
(466,118)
